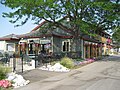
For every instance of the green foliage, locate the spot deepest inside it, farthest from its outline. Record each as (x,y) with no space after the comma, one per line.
(87,13)
(67,62)
(85,16)
(116,35)
(3,72)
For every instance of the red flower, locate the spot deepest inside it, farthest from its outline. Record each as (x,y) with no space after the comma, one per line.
(5,83)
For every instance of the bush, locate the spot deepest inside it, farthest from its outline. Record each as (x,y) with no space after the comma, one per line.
(67,62)
(3,72)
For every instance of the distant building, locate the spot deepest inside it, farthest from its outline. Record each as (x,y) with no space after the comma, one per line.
(9,43)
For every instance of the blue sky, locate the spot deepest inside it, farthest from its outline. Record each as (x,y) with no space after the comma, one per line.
(7,28)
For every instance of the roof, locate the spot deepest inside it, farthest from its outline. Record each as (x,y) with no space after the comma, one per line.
(106,33)
(87,38)
(40,34)
(37,33)
(10,37)
(39,26)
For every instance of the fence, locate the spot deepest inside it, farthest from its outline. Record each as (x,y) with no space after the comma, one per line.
(26,62)
(20,64)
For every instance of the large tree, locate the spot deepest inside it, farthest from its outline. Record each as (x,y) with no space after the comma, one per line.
(116,38)
(83,15)
(116,35)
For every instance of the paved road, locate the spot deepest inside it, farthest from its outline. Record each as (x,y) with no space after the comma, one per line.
(38,75)
(100,75)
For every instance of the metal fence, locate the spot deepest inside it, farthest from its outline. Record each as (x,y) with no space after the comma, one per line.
(28,62)
(18,64)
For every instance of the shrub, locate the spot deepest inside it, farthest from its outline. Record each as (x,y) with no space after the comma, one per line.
(3,72)
(67,62)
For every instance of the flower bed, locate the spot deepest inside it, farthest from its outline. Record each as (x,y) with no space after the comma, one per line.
(5,84)
(60,68)
(17,80)
(83,62)
(13,81)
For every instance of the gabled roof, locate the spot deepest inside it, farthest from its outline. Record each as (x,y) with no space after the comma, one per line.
(39,26)
(38,33)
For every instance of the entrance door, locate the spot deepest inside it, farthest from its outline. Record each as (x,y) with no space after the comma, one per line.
(31,49)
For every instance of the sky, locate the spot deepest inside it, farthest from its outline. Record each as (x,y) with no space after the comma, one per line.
(7,28)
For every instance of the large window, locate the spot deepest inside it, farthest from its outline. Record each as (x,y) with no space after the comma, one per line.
(65,46)
(45,45)
(10,47)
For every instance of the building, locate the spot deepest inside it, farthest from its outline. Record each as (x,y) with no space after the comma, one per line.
(9,43)
(55,40)
(97,45)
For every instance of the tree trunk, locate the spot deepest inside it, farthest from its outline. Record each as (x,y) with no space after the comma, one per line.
(76,46)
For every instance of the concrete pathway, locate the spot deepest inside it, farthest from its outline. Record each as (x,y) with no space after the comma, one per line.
(100,75)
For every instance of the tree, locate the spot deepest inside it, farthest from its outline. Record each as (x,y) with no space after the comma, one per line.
(83,15)
(116,37)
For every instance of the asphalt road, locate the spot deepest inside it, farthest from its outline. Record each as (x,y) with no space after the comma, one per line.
(100,75)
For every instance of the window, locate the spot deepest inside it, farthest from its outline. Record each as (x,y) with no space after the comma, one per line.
(10,47)
(65,46)
(45,45)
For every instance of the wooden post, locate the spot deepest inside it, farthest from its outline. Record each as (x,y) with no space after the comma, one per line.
(93,51)
(96,51)
(88,51)
(84,52)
